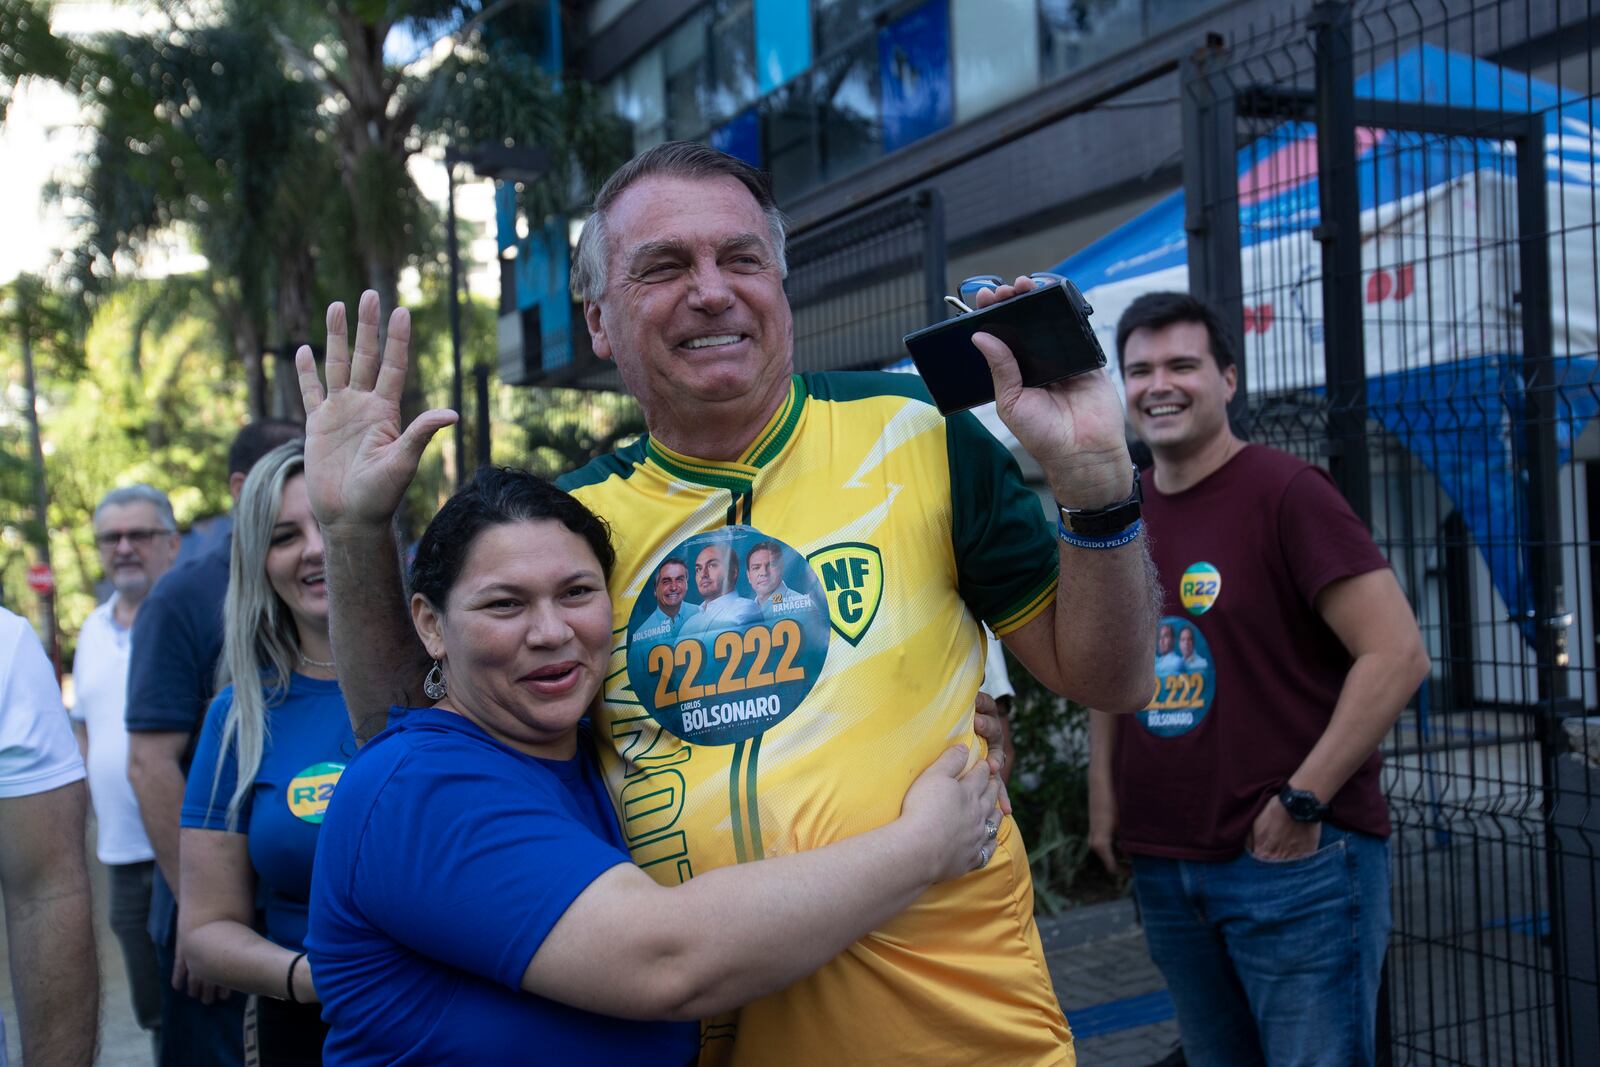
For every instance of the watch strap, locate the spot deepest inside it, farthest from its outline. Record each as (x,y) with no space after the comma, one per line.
(1107,521)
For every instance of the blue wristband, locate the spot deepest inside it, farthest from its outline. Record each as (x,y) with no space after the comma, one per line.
(1116,540)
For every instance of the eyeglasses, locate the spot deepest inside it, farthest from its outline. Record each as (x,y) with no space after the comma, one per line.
(970,286)
(136,538)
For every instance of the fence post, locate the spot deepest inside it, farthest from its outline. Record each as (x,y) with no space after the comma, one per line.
(1539,466)
(1211,205)
(1339,230)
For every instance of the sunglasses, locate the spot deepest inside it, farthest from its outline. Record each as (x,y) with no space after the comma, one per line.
(136,538)
(969,287)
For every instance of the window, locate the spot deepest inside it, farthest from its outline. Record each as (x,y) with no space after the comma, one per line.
(837,21)
(788,127)
(733,60)
(637,95)
(1165,14)
(683,57)
(993,43)
(1076,33)
(824,126)
(849,131)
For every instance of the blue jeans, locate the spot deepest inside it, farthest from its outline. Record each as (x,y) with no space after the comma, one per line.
(195,1034)
(1272,962)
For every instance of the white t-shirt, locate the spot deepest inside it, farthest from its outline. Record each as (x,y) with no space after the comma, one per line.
(996,679)
(100,684)
(37,750)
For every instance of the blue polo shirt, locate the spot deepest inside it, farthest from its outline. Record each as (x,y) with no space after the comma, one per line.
(172,669)
(444,862)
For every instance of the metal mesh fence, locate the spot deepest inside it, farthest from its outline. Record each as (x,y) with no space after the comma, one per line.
(1397,208)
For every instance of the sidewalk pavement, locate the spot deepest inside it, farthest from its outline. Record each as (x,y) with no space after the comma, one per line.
(1114,998)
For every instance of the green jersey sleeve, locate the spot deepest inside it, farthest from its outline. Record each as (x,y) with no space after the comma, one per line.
(1006,557)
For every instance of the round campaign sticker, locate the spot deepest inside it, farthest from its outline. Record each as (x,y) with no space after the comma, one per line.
(1186,679)
(727,637)
(311,789)
(1199,587)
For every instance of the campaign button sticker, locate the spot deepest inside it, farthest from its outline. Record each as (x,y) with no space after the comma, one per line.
(728,637)
(1199,588)
(311,789)
(1186,679)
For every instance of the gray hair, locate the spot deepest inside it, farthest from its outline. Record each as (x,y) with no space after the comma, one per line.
(139,494)
(591,263)
(259,641)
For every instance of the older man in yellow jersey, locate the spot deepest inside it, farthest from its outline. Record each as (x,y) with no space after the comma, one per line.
(912,529)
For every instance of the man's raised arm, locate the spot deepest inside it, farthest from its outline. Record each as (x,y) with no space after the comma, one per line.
(1093,646)
(359,463)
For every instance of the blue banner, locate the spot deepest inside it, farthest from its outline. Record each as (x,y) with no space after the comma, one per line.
(914,75)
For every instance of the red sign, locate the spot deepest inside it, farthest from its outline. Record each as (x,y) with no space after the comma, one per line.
(40,580)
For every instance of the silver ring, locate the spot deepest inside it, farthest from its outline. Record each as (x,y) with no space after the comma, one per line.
(991,828)
(983,856)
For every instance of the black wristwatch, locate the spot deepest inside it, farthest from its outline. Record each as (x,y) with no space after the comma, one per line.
(1303,805)
(1106,521)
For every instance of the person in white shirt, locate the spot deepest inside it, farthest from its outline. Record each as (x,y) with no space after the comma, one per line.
(998,688)
(44,878)
(137,536)
(716,577)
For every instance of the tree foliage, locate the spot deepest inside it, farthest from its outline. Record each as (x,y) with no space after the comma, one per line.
(146,397)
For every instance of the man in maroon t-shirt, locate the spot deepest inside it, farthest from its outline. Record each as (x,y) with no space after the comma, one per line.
(1247,793)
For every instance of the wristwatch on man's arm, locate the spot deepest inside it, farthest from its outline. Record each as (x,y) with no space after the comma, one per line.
(1303,804)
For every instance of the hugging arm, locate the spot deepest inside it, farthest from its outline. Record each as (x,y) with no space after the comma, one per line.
(596,932)
(359,463)
(627,946)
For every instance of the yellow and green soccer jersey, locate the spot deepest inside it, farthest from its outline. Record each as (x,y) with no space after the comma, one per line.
(827,651)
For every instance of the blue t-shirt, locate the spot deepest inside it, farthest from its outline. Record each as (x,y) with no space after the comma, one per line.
(177,637)
(172,668)
(444,863)
(308,744)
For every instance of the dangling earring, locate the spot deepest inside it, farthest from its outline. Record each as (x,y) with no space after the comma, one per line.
(433,685)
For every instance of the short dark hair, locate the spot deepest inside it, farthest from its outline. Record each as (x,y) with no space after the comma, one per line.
(675,159)
(765,546)
(1157,311)
(729,553)
(497,496)
(257,439)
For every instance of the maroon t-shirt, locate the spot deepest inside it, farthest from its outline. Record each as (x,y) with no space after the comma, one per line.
(1248,690)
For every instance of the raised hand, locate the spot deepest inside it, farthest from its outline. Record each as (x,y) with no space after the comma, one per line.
(1073,427)
(358,460)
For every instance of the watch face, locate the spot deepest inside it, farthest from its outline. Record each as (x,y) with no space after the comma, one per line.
(1303,806)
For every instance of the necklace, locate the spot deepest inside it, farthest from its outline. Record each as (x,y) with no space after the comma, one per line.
(309,662)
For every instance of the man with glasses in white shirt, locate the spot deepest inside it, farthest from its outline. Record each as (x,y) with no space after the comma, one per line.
(137,536)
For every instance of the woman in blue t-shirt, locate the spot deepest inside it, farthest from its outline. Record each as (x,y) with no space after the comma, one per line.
(270,752)
(473,900)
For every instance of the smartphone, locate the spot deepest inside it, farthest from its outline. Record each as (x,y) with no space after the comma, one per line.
(1046,328)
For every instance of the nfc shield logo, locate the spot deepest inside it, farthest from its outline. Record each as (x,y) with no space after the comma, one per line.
(852,582)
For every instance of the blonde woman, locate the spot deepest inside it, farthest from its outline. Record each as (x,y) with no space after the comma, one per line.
(274,744)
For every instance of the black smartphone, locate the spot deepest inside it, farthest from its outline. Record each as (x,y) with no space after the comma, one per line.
(1046,328)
